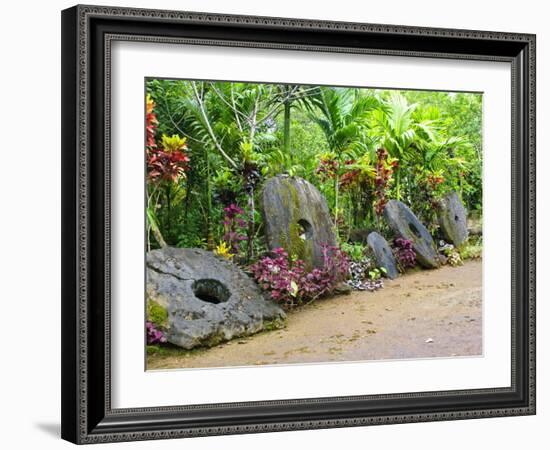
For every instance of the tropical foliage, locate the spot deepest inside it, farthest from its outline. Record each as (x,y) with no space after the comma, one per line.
(211,145)
(287,281)
(404,253)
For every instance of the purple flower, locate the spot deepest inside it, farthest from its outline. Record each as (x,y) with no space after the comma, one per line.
(233,211)
(404,252)
(234,227)
(291,284)
(154,336)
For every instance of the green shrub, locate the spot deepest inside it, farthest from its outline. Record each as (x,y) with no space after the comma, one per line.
(355,251)
(473,249)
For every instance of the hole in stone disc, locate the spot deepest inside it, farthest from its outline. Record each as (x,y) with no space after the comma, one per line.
(414,230)
(305,229)
(456,218)
(210,291)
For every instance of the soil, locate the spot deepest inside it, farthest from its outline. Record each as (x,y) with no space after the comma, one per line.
(426,314)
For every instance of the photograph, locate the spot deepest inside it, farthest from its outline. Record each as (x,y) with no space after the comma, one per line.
(277,220)
(298,224)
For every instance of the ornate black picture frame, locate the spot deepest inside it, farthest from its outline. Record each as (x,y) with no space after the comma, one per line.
(87,415)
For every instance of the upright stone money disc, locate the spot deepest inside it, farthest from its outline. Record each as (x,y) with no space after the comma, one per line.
(207,300)
(452,218)
(383,254)
(405,224)
(297,218)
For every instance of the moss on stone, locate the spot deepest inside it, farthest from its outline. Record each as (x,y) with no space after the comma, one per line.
(219,338)
(296,208)
(275,324)
(157,314)
(170,350)
(294,244)
(213,340)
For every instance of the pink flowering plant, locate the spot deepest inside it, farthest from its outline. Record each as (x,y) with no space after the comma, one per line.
(404,253)
(154,335)
(290,284)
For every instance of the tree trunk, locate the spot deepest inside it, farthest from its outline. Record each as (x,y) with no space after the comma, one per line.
(250,232)
(286,129)
(158,236)
(209,237)
(398,183)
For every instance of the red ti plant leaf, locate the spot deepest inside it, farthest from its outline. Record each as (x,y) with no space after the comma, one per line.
(169,160)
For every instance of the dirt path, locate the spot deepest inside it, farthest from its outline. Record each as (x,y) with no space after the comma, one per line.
(425,314)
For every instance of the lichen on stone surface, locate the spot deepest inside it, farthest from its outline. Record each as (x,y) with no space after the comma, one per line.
(287,203)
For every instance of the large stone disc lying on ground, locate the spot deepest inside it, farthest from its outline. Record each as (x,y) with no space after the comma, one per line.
(383,254)
(208,300)
(404,223)
(297,218)
(452,219)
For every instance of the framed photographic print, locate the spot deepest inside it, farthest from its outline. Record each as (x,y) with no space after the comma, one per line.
(268,222)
